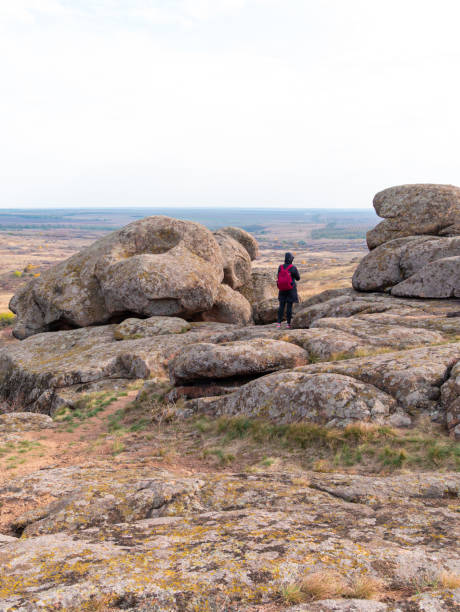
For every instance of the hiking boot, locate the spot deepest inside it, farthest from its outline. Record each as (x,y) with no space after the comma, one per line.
(288,326)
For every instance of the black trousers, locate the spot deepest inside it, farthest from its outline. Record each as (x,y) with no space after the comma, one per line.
(283,303)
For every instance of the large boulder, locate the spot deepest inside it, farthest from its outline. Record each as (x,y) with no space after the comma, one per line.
(381,268)
(412,377)
(396,264)
(260,286)
(286,397)
(416,249)
(440,279)
(380,388)
(229,307)
(240,358)
(413,210)
(244,238)
(236,260)
(154,266)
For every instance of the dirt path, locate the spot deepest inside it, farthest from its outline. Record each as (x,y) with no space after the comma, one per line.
(60,447)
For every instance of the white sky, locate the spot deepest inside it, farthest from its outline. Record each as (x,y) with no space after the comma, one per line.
(226,102)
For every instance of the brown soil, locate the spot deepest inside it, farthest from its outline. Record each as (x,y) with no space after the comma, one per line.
(92,445)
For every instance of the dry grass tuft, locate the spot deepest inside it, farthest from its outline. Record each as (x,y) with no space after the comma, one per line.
(323,465)
(329,584)
(291,594)
(366,587)
(324,585)
(362,427)
(449,580)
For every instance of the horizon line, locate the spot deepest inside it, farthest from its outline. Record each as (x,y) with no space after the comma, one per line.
(178,206)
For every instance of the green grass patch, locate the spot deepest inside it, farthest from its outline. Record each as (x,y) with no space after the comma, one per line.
(115,421)
(18,448)
(85,408)
(369,446)
(139,425)
(118,447)
(223,457)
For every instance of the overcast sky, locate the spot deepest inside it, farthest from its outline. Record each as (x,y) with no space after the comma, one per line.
(303,103)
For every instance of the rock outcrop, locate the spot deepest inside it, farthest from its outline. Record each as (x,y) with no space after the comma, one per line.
(415,251)
(384,359)
(332,399)
(413,210)
(155,266)
(49,370)
(352,355)
(240,358)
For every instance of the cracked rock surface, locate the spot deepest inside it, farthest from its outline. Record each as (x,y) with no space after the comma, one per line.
(175,543)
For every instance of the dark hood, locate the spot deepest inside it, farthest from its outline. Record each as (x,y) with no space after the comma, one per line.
(288,258)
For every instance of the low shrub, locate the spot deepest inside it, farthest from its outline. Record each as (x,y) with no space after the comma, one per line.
(6,319)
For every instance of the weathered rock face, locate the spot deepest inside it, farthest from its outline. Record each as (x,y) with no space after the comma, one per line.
(131,329)
(261,286)
(286,397)
(412,379)
(450,397)
(440,279)
(261,292)
(244,238)
(349,330)
(416,250)
(24,421)
(155,266)
(229,307)
(240,358)
(236,260)
(412,267)
(44,372)
(412,210)
(397,337)
(223,541)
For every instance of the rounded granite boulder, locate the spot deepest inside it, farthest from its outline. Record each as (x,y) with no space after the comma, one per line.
(414,210)
(154,266)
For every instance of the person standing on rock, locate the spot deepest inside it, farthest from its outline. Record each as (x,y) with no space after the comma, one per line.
(287,277)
